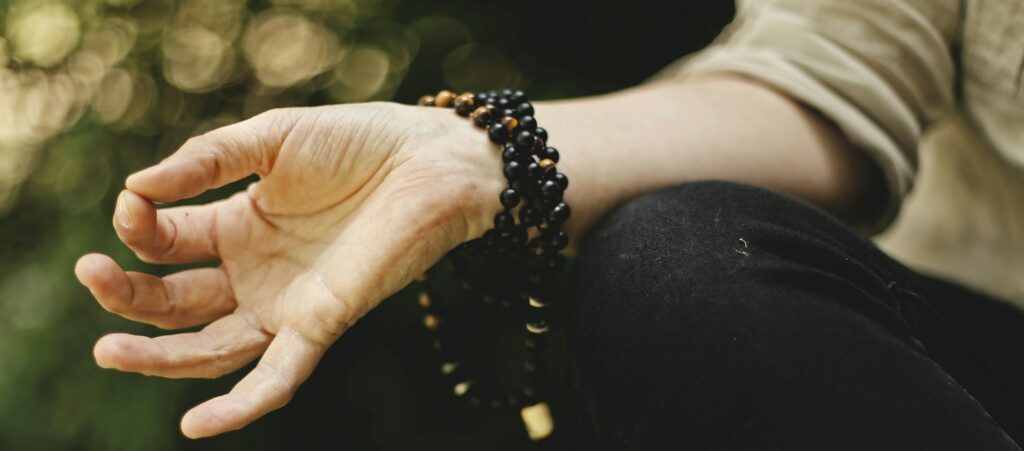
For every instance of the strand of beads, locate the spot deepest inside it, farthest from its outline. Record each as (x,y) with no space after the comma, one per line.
(527,232)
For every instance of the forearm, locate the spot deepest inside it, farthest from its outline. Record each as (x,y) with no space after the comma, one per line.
(618,146)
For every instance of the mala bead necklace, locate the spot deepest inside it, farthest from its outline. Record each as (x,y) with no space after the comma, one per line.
(525,243)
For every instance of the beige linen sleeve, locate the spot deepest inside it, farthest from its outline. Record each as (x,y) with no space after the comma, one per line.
(881,70)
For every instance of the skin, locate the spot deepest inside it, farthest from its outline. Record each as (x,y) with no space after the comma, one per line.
(354,201)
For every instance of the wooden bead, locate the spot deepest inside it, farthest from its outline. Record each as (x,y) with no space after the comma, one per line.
(480,116)
(510,123)
(431,322)
(547,165)
(424,299)
(426,101)
(464,104)
(444,99)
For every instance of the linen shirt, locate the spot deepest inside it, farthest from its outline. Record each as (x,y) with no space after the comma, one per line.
(932,91)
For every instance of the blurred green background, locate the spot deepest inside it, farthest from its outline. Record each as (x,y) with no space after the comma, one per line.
(92,90)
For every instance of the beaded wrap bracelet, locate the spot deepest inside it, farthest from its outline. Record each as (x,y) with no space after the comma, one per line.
(527,235)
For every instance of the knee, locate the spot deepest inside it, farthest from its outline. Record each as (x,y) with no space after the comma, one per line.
(687,237)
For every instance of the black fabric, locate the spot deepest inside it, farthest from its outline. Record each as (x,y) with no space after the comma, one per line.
(718,316)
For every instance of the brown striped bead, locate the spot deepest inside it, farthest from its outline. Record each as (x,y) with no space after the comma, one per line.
(464,104)
(426,101)
(444,99)
(431,322)
(547,165)
(480,116)
(510,123)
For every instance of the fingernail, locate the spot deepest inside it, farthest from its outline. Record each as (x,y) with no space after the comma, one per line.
(122,212)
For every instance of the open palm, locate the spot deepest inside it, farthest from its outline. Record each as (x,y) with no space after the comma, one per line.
(352,203)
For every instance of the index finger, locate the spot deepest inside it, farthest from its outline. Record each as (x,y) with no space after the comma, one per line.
(216,158)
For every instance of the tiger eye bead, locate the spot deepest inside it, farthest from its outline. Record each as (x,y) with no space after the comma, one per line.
(510,123)
(425,101)
(431,322)
(546,165)
(444,98)
(424,299)
(464,104)
(480,116)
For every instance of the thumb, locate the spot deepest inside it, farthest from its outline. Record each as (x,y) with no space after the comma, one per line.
(216,158)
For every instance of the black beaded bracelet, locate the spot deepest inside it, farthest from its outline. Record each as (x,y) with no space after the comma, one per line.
(532,199)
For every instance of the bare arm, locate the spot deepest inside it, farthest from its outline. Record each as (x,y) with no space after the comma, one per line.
(621,145)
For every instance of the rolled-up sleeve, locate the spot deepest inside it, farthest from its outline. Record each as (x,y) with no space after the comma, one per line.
(881,70)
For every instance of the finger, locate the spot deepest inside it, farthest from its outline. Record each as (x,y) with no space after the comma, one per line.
(216,158)
(288,362)
(221,347)
(183,299)
(169,235)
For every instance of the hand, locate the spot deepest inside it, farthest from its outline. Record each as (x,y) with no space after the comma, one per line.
(353,202)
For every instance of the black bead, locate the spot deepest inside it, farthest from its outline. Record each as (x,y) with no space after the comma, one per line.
(560,179)
(535,341)
(517,236)
(533,170)
(506,93)
(533,365)
(517,97)
(508,112)
(524,138)
(528,123)
(504,220)
(514,170)
(492,93)
(529,393)
(550,191)
(490,239)
(559,240)
(529,216)
(510,197)
(502,103)
(555,263)
(491,100)
(542,134)
(550,153)
(498,133)
(559,213)
(539,247)
(510,154)
(525,109)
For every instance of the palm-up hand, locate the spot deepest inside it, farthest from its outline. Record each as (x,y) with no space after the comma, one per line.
(353,202)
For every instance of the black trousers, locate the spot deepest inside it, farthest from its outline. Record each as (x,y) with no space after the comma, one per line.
(718,316)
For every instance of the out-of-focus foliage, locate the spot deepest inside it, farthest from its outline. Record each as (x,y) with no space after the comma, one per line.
(91,90)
